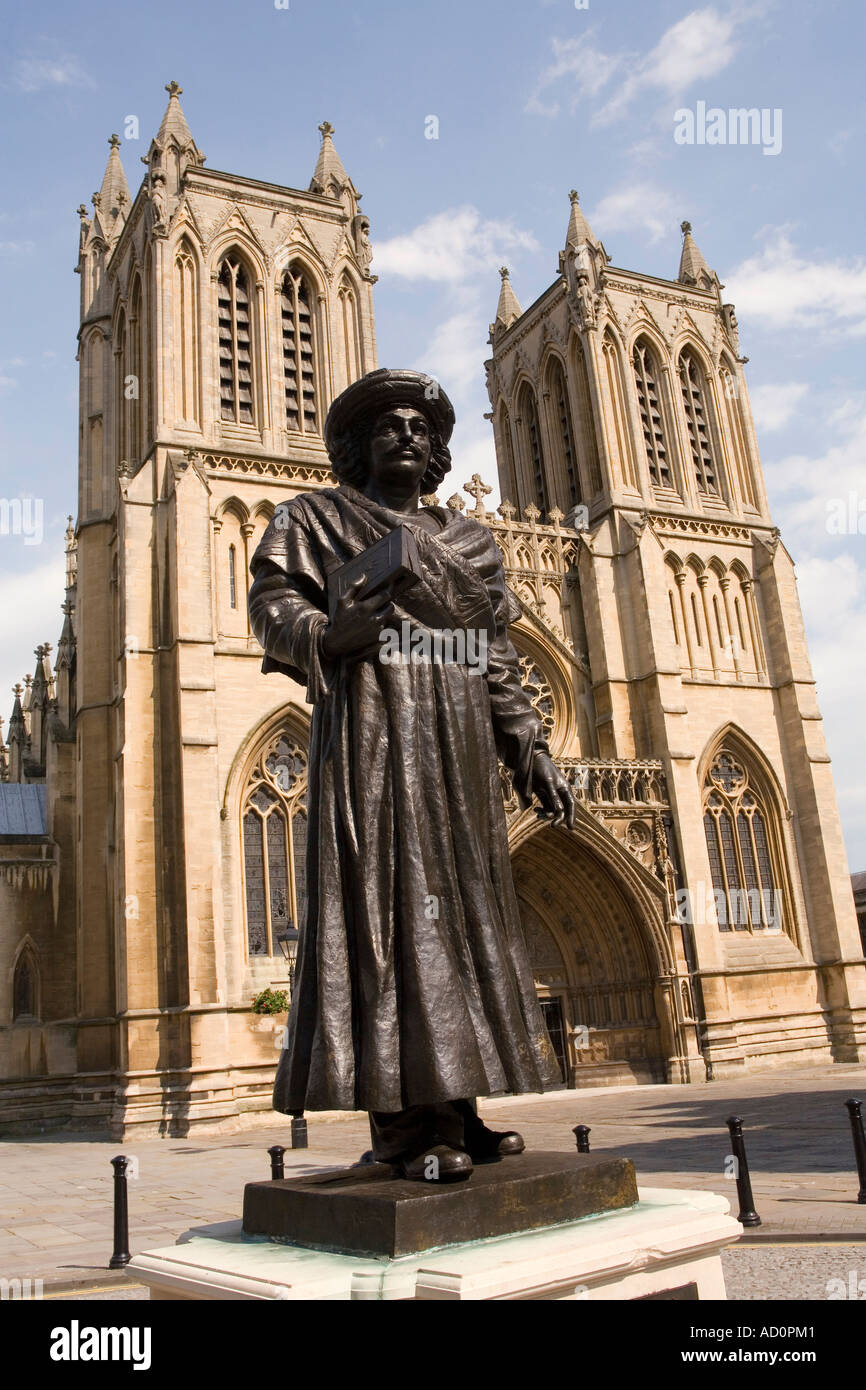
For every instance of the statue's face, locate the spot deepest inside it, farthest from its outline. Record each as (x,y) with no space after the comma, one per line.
(400,447)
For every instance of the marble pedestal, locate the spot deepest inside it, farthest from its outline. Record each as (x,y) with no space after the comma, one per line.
(666,1246)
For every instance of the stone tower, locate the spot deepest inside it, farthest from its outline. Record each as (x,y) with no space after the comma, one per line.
(697,920)
(219,317)
(619,406)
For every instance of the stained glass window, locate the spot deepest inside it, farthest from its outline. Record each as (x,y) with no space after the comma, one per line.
(738,845)
(274,843)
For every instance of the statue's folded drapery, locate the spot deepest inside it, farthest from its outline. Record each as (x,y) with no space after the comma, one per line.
(413,984)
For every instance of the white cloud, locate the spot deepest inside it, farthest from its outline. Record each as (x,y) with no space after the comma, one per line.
(833,597)
(16,248)
(697,47)
(806,493)
(635,205)
(451,246)
(773,405)
(27,623)
(457,350)
(577,58)
(783,288)
(35,74)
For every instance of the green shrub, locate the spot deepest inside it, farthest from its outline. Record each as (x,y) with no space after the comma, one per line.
(271,1001)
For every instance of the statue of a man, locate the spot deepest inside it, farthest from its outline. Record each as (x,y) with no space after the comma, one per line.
(413,990)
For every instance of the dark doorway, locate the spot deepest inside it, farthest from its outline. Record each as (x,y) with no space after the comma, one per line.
(552,1012)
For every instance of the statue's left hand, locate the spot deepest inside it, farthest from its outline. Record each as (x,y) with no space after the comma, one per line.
(552,790)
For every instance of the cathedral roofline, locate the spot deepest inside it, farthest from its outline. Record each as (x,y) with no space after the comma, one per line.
(675,287)
(201,175)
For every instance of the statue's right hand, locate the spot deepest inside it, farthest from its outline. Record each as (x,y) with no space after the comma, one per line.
(357,622)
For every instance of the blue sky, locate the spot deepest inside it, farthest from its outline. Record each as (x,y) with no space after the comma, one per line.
(532,99)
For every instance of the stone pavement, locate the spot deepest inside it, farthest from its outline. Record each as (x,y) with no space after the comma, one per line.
(56,1190)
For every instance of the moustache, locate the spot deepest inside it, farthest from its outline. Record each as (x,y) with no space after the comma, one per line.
(399,450)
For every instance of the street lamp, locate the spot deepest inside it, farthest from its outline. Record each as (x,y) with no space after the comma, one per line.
(288,944)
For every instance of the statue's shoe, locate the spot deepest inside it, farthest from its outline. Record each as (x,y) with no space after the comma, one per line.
(438,1164)
(490,1143)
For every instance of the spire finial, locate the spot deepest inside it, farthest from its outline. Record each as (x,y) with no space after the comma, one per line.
(114,141)
(574,196)
(504,272)
(326,129)
(173,88)
(685,228)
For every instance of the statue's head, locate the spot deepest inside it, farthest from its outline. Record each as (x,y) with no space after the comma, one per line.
(390,423)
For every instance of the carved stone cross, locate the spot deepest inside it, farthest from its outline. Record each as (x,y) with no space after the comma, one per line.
(477,488)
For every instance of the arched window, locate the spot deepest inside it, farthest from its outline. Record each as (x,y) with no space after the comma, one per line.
(235,342)
(587,443)
(746,881)
(299,352)
(652,419)
(351,335)
(736,432)
(531,429)
(132,386)
(506,444)
(562,430)
(120,412)
(25,988)
(186,341)
(233,578)
(694,392)
(618,433)
(274,821)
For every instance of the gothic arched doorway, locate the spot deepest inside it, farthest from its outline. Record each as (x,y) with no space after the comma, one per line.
(594,963)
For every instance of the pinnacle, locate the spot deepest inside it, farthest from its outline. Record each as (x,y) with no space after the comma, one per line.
(508,309)
(329,167)
(693,268)
(113,194)
(174,121)
(579,230)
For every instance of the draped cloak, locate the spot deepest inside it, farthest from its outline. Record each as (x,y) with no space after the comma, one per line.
(413,984)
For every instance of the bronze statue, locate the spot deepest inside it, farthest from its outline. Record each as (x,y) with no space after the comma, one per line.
(413,989)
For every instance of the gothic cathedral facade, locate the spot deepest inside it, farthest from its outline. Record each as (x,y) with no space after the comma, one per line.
(698,921)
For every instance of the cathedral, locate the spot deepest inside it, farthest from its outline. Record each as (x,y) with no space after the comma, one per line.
(696,923)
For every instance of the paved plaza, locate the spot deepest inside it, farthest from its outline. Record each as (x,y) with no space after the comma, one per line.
(56,1190)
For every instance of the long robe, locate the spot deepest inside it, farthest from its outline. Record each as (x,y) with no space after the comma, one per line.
(413,984)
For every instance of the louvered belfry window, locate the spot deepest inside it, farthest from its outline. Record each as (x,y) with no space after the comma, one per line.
(299,353)
(566,433)
(533,441)
(692,385)
(651,416)
(235,343)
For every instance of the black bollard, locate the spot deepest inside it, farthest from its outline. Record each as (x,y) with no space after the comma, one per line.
(121,1256)
(276,1152)
(747,1216)
(855,1114)
(299,1130)
(581,1134)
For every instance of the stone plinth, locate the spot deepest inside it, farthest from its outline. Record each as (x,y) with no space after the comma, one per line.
(369,1211)
(667,1246)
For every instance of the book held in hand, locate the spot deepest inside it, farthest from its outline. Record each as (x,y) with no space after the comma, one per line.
(392,563)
